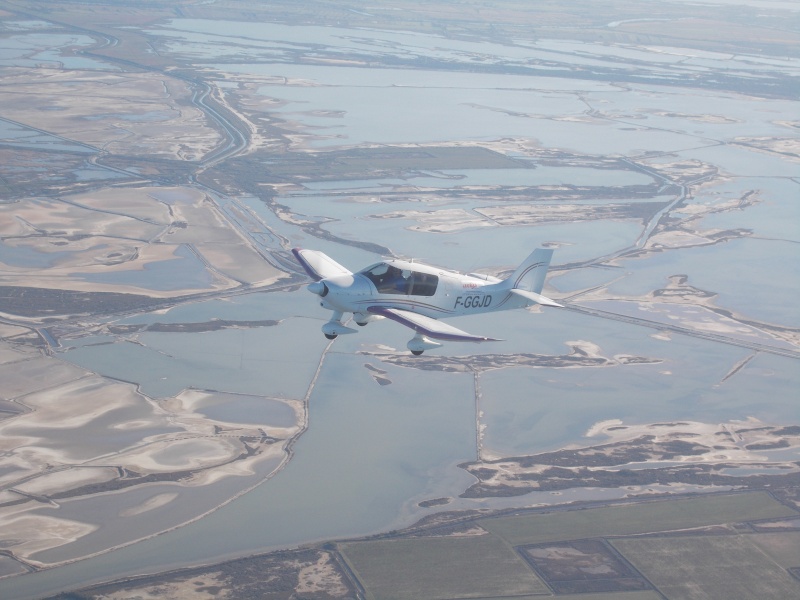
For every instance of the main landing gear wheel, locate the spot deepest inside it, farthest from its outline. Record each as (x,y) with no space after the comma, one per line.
(419,343)
(331,336)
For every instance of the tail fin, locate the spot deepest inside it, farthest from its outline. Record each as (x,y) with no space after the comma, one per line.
(529,276)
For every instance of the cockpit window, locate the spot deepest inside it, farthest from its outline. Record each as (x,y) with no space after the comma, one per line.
(389,279)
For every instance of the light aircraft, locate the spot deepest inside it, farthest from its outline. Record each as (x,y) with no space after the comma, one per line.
(416,295)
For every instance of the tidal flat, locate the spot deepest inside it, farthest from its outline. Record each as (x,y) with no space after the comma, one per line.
(167,396)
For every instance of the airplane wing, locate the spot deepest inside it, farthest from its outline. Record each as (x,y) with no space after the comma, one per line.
(538,298)
(428,326)
(318,265)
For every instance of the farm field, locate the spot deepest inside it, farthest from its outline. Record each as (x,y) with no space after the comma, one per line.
(646,517)
(711,567)
(441,567)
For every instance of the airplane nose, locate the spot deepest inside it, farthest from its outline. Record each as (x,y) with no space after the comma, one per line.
(318,288)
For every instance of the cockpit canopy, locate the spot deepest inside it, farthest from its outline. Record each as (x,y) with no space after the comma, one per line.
(389,279)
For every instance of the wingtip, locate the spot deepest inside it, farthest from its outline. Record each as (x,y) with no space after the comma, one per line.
(304,263)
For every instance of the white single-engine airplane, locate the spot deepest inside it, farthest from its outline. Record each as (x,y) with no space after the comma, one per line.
(416,295)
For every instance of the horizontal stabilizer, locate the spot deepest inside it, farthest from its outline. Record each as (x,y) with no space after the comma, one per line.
(428,326)
(538,298)
(319,265)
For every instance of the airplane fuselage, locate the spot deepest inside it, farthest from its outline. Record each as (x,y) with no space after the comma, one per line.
(442,293)
(418,295)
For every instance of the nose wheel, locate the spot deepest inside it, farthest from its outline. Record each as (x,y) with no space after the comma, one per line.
(334,328)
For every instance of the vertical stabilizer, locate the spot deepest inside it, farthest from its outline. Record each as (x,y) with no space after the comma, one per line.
(529,276)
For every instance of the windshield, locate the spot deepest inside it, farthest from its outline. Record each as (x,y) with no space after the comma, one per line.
(389,279)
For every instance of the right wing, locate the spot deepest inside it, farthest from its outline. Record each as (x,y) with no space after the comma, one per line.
(427,326)
(318,265)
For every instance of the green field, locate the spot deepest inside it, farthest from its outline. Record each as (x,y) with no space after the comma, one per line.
(783,548)
(364,163)
(645,517)
(441,568)
(484,567)
(723,567)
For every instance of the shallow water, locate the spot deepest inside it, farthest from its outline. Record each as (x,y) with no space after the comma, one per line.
(373,451)
(37,49)
(274,361)
(248,410)
(25,256)
(185,271)
(736,271)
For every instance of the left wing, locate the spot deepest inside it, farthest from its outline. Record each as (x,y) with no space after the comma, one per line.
(318,265)
(428,326)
